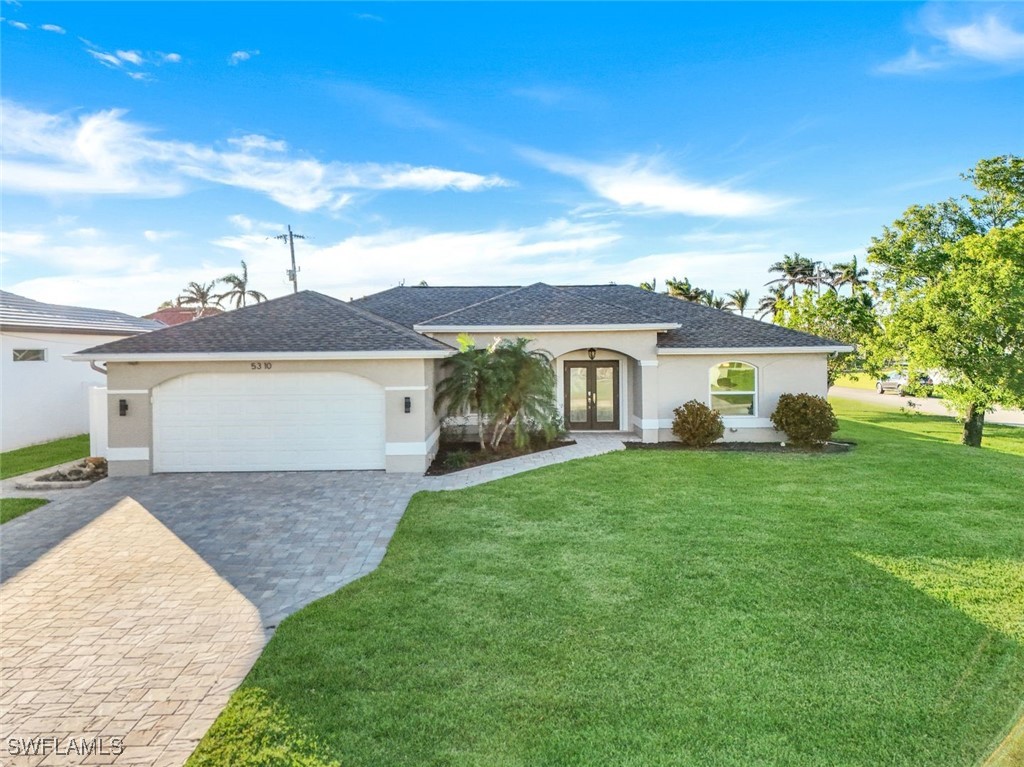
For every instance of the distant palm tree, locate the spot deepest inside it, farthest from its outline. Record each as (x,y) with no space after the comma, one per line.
(794,270)
(772,303)
(684,290)
(715,302)
(240,290)
(850,273)
(199,295)
(651,286)
(739,300)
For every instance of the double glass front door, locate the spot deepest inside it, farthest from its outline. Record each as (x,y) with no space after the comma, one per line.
(592,395)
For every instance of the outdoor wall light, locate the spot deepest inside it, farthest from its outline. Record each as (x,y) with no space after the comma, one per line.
(591,352)
(122,407)
(408,404)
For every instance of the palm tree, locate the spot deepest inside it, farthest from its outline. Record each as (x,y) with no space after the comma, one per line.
(794,270)
(467,385)
(772,303)
(240,290)
(850,273)
(526,381)
(199,295)
(715,302)
(651,287)
(684,290)
(739,299)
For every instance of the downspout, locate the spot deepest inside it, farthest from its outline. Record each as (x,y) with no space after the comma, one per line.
(97,368)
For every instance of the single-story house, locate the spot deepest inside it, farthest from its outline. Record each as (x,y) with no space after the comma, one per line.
(45,396)
(311,382)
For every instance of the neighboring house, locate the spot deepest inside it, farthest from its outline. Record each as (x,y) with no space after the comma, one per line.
(310,382)
(175,315)
(44,395)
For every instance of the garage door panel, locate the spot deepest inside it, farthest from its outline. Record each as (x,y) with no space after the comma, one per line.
(268,422)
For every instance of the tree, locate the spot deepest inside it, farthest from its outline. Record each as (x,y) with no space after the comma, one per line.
(199,295)
(240,290)
(739,300)
(651,287)
(772,304)
(509,385)
(684,290)
(715,302)
(951,276)
(794,270)
(849,273)
(847,319)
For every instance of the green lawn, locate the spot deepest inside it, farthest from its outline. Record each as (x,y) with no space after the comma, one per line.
(12,508)
(35,457)
(674,608)
(862,381)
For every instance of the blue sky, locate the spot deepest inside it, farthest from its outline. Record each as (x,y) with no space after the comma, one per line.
(148,144)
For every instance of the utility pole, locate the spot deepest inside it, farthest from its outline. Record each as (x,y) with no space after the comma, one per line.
(293,273)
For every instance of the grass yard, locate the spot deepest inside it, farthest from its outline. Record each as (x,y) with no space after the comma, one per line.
(12,508)
(673,608)
(862,381)
(36,457)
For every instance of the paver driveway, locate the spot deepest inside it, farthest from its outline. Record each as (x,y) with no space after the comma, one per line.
(135,607)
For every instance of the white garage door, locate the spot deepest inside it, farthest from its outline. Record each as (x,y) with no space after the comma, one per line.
(268,421)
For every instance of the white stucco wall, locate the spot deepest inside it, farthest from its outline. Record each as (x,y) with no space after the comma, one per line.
(45,400)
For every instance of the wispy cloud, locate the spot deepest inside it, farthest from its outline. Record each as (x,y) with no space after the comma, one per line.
(644,184)
(132,57)
(18,24)
(104,153)
(153,235)
(368,17)
(238,57)
(990,37)
(53,28)
(172,58)
(133,63)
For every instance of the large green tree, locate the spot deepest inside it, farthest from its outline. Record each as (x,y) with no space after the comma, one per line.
(847,319)
(951,276)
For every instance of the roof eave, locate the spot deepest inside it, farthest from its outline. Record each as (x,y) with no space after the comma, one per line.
(80,331)
(694,350)
(657,326)
(260,356)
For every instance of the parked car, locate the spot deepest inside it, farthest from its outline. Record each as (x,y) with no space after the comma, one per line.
(900,383)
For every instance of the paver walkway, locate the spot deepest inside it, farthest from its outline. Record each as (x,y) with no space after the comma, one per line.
(134,608)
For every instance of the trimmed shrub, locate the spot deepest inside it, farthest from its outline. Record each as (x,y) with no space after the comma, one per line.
(457,459)
(696,424)
(806,419)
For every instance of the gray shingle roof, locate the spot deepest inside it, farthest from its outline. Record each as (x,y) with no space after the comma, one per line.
(302,322)
(414,305)
(701,326)
(540,304)
(24,313)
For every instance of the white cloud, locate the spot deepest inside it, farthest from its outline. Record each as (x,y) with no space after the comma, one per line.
(239,56)
(132,57)
(154,235)
(254,142)
(989,38)
(107,59)
(53,28)
(18,24)
(642,183)
(368,17)
(103,153)
(139,75)
(172,58)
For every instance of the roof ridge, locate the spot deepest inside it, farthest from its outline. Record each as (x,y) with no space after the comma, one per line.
(478,303)
(569,289)
(385,322)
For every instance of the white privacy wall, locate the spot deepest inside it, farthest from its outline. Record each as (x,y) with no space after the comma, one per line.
(40,401)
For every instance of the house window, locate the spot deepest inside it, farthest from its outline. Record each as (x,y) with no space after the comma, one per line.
(734,388)
(30,355)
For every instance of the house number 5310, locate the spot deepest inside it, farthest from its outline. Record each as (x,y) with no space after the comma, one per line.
(261,365)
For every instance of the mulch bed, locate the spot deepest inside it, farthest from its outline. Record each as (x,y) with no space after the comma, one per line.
(475,457)
(744,447)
